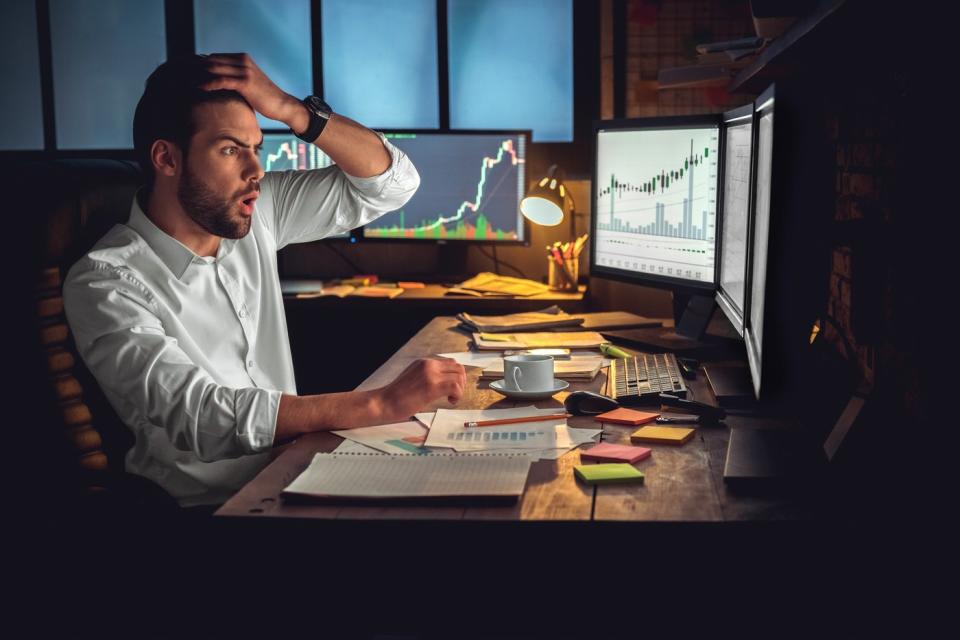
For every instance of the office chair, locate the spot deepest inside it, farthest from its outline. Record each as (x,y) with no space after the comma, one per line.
(74,202)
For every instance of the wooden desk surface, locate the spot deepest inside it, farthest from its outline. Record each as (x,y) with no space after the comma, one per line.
(682,483)
(434,296)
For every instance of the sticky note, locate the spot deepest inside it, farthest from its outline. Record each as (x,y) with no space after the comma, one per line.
(622,415)
(662,435)
(607,473)
(404,284)
(607,452)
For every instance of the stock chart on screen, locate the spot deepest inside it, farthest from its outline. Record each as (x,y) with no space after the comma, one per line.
(283,151)
(656,202)
(471,185)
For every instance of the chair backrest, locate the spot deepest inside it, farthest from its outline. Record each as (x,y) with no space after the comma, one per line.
(77,201)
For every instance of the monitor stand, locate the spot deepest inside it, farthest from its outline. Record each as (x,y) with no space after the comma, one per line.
(730,384)
(691,315)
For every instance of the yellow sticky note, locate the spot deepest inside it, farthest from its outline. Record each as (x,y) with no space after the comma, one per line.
(662,435)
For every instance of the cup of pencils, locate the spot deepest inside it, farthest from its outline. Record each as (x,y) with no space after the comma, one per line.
(563,264)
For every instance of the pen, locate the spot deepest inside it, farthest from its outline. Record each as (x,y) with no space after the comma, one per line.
(678,418)
(613,352)
(493,423)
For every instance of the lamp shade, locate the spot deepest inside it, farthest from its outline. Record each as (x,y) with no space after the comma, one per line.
(544,204)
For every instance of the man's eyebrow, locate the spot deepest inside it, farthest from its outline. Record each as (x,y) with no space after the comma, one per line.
(239,143)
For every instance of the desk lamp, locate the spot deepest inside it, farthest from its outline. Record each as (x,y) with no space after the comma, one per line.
(544,204)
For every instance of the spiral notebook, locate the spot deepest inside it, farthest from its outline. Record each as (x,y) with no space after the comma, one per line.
(353,476)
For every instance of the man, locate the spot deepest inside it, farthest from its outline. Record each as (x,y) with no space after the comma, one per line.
(179,313)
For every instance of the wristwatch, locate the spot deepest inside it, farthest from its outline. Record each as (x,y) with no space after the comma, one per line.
(319,112)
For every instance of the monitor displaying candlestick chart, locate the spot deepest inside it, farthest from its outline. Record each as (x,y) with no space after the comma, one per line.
(655,201)
(471,184)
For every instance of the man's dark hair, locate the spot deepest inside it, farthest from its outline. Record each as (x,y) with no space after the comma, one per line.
(165,110)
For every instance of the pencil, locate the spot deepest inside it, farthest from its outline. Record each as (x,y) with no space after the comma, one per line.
(493,423)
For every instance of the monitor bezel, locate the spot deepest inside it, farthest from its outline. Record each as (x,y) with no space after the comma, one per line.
(755,353)
(723,298)
(523,242)
(645,279)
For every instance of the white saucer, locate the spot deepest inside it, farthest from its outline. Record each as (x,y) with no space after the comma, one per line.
(558,386)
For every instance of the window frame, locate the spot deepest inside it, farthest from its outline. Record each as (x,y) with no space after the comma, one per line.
(574,157)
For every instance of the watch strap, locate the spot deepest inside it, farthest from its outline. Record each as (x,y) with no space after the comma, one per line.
(316,126)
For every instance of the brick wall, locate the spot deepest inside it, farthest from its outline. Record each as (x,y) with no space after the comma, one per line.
(664,34)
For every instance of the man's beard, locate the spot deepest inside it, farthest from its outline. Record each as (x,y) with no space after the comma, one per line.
(210,211)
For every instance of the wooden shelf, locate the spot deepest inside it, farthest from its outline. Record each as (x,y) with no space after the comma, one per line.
(781,54)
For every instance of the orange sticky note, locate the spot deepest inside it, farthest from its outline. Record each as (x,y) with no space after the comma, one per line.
(622,415)
(403,284)
(662,435)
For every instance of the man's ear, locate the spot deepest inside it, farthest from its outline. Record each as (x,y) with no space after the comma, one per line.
(166,157)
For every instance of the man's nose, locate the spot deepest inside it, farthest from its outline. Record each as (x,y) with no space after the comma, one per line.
(254,171)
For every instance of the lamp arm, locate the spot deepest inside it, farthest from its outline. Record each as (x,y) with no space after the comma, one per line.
(573,214)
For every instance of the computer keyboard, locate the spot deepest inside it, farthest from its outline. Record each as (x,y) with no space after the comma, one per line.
(642,378)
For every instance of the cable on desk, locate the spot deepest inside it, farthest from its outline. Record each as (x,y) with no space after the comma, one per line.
(497,262)
(350,262)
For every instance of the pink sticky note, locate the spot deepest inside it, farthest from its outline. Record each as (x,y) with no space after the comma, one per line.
(606,452)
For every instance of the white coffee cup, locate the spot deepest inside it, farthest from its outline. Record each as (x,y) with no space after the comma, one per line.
(528,373)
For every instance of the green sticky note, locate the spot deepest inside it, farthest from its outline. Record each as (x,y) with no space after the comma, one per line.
(607,473)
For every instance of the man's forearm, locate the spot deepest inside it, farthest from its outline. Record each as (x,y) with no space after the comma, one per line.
(356,149)
(304,414)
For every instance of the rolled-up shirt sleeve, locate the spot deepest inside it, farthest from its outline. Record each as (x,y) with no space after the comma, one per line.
(122,341)
(301,206)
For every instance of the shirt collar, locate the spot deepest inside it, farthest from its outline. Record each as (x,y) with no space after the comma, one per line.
(173,253)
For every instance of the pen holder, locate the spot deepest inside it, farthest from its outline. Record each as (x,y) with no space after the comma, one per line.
(556,278)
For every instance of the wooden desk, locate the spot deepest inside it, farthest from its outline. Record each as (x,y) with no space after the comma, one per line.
(682,483)
(381,326)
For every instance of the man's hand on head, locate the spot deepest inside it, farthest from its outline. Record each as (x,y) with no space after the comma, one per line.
(238,72)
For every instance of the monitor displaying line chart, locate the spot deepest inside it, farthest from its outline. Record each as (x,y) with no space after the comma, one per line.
(656,202)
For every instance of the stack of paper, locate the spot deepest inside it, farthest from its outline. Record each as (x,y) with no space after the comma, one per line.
(495,283)
(548,318)
(550,438)
(539,340)
(576,368)
(410,438)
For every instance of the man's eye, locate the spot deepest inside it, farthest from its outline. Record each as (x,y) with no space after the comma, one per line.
(229,151)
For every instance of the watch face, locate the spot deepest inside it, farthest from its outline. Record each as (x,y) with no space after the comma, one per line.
(319,106)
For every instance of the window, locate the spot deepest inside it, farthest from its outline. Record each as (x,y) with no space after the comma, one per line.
(102,52)
(380,61)
(22,124)
(511,66)
(275,32)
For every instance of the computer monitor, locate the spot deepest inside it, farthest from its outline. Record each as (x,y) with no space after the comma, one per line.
(471,185)
(655,191)
(755,307)
(731,384)
(285,151)
(737,198)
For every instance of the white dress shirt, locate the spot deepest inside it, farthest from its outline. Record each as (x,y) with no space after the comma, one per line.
(193,351)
